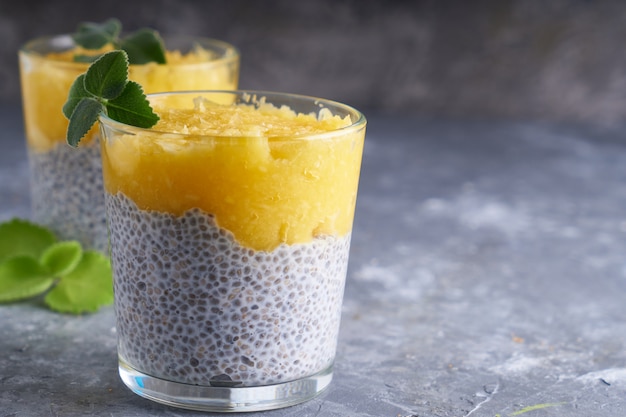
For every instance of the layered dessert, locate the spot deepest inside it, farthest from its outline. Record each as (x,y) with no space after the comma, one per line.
(72,204)
(230,237)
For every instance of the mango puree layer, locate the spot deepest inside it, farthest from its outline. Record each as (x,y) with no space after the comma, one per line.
(46,80)
(252,169)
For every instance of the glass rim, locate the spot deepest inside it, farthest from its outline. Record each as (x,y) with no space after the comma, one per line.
(64,42)
(321,103)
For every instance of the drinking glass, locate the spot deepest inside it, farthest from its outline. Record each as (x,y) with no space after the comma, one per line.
(230,250)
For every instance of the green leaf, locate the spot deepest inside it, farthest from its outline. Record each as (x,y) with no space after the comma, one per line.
(76,94)
(95,35)
(87,59)
(143,46)
(107,75)
(83,117)
(111,27)
(132,107)
(62,257)
(23,277)
(87,288)
(102,82)
(21,237)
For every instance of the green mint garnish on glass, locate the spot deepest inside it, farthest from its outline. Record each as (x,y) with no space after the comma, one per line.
(105,88)
(34,263)
(143,46)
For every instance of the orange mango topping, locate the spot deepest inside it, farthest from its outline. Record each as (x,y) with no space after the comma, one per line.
(253,169)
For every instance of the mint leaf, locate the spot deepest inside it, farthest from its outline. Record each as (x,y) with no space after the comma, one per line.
(87,288)
(100,92)
(76,94)
(107,76)
(144,46)
(96,35)
(86,59)
(21,237)
(132,107)
(105,79)
(23,277)
(62,257)
(83,117)
(33,263)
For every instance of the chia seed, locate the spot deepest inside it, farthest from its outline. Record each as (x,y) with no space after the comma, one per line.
(67,193)
(230,316)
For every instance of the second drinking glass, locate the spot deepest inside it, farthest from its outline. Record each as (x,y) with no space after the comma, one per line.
(73,205)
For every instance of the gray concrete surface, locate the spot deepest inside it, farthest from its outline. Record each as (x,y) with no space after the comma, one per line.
(487,278)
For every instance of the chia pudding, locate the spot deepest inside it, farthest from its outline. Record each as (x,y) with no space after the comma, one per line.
(196,307)
(67,193)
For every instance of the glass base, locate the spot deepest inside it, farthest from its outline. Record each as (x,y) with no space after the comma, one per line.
(224,399)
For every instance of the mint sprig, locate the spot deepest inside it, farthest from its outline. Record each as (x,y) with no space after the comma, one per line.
(33,263)
(143,46)
(105,88)
(92,35)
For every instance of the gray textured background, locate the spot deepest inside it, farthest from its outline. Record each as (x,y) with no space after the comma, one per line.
(487,266)
(558,60)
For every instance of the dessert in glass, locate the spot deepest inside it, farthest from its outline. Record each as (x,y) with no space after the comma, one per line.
(230,223)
